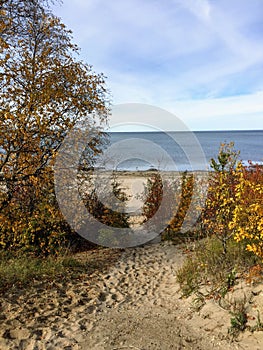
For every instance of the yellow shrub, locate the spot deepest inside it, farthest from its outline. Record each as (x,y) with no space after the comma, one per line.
(247,221)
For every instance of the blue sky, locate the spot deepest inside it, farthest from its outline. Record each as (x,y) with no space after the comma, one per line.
(201,60)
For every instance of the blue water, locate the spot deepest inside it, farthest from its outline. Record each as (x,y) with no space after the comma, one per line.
(184,150)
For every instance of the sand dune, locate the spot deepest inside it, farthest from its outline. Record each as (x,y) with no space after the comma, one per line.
(136,304)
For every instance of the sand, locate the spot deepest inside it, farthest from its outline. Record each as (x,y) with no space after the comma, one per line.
(134,185)
(135,304)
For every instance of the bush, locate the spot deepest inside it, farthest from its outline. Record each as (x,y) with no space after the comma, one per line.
(31,220)
(233,224)
(247,221)
(221,197)
(179,200)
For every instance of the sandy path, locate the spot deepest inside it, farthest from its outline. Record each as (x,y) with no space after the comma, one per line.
(135,305)
(139,303)
(141,306)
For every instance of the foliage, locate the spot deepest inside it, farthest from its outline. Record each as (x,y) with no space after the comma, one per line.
(21,270)
(179,195)
(189,276)
(45,91)
(104,199)
(154,191)
(254,274)
(99,202)
(178,219)
(233,211)
(32,220)
(232,221)
(247,220)
(221,197)
(226,159)
(234,205)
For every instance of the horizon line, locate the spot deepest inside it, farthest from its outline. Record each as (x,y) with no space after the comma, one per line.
(208,130)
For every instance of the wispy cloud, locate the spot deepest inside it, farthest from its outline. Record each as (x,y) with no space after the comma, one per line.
(198,53)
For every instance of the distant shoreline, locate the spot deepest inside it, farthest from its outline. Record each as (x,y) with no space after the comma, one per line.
(186,131)
(144,173)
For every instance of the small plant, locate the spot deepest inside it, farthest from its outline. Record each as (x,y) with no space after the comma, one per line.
(185,200)
(188,276)
(207,264)
(154,195)
(226,159)
(230,281)
(199,301)
(176,203)
(102,207)
(231,278)
(259,324)
(238,323)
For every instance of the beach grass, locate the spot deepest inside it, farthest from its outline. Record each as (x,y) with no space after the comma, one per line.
(207,264)
(20,270)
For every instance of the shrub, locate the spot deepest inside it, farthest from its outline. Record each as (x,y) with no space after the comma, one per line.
(99,203)
(179,196)
(247,220)
(32,221)
(221,197)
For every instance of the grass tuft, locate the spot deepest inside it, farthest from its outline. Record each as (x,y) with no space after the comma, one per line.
(22,269)
(207,264)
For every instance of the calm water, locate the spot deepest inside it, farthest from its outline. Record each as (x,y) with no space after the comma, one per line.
(179,150)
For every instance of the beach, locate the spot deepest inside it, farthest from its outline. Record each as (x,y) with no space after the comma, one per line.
(113,233)
(136,303)
(135,187)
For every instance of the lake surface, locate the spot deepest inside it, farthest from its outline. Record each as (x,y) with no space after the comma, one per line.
(178,150)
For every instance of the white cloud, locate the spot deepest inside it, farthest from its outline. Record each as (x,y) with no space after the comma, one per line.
(206,114)
(236,112)
(200,8)
(184,55)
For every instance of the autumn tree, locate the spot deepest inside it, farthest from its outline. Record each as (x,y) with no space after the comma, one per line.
(44,91)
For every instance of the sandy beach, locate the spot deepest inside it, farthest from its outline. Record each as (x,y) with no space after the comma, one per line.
(134,185)
(113,233)
(135,304)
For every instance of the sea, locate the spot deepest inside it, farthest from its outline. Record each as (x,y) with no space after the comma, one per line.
(178,151)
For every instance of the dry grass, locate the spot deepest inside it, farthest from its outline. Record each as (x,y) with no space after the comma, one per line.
(18,270)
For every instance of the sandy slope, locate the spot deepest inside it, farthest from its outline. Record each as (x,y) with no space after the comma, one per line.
(135,305)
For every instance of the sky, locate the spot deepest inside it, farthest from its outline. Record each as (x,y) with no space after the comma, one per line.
(201,60)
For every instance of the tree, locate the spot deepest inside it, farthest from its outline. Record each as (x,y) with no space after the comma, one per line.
(45,91)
